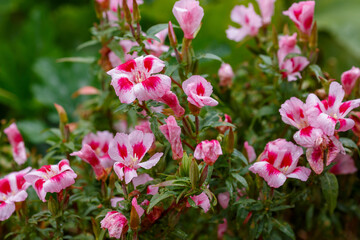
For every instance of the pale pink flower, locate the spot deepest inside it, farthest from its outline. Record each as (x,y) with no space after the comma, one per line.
(51,178)
(344,164)
(94,151)
(188,13)
(349,78)
(222,227)
(126,45)
(198,91)
(116,223)
(302,14)
(144,126)
(170,99)
(250,151)
(135,79)
(157,48)
(140,211)
(202,200)
(12,189)
(279,162)
(287,45)
(115,4)
(248,19)
(142,179)
(266,9)
(129,150)
(17,143)
(209,151)
(223,199)
(114,201)
(226,75)
(327,113)
(172,132)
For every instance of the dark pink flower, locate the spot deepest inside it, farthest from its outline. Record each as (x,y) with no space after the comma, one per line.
(12,189)
(250,152)
(266,9)
(198,91)
(248,19)
(188,13)
(135,79)
(223,129)
(279,162)
(226,75)
(349,78)
(116,223)
(172,132)
(327,113)
(302,14)
(129,150)
(344,164)
(94,151)
(51,178)
(209,151)
(202,200)
(17,143)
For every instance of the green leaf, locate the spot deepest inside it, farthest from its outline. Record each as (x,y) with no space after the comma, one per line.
(330,189)
(241,180)
(117,49)
(238,155)
(76,59)
(347,142)
(87,44)
(267,110)
(292,55)
(123,108)
(210,56)
(156,28)
(317,70)
(155,129)
(284,227)
(158,198)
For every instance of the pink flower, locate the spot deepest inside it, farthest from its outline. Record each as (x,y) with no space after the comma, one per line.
(209,151)
(223,129)
(226,75)
(250,23)
(142,179)
(129,150)
(157,48)
(144,126)
(266,9)
(172,101)
(202,200)
(126,45)
(302,14)
(172,132)
(116,223)
(250,152)
(17,143)
(95,152)
(188,13)
(327,113)
(51,178)
(224,199)
(279,162)
(114,201)
(198,91)
(135,80)
(344,165)
(140,211)
(222,227)
(114,4)
(349,78)
(12,189)
(291,67)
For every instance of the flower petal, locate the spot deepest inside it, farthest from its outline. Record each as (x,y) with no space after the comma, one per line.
(301,173)
(151,162)
(271,175)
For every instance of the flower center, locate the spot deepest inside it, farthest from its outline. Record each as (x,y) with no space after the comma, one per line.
(139,76)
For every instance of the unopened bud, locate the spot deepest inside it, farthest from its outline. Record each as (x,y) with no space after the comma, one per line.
(172,36)
(313,37)
(53,206)
(127,12)
(62,114)
(136,12)
(194,173)
(134,219)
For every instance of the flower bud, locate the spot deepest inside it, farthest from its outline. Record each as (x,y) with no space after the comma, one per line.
(194,173)
(185,165)
(127,12)
(172,36)
(136,12)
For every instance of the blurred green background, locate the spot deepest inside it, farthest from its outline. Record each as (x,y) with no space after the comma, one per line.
(33,34)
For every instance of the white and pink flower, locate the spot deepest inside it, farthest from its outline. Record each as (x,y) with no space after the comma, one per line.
(17,143)
(12,189)
(266,9)
(189,14)
(344,164)
(51,178)
(209,151)
(128,152)
(248,19)
(279,162)
(135,79)
(170,99)
(116,223)
(226,75)
(198,91)
(349,78)
(302,14)
(94,151)
(172,132)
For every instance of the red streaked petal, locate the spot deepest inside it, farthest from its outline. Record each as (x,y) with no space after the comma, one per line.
(271,175)
(5,186)
(315,157)
(127,67)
